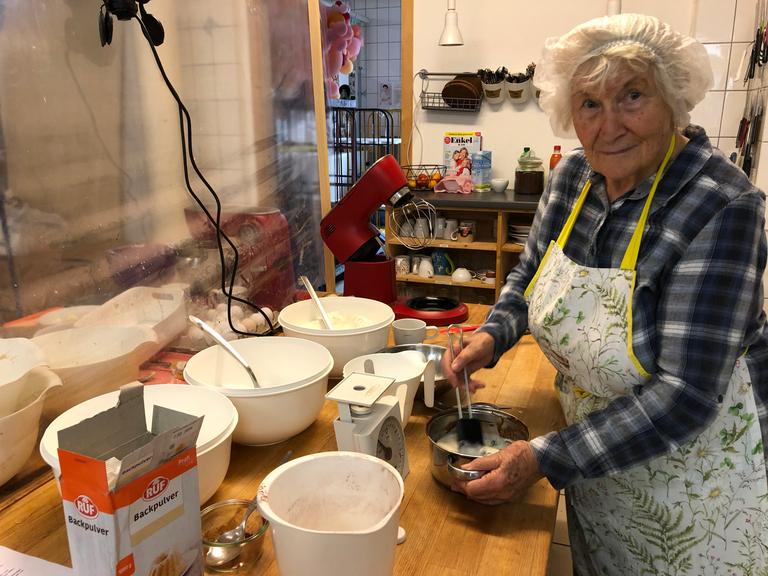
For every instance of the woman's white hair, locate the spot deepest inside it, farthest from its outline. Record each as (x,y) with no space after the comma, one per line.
(592,52)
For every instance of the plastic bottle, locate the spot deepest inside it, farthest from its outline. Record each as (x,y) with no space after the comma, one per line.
(555,158)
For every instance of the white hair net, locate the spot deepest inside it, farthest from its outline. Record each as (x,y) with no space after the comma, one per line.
(680,64)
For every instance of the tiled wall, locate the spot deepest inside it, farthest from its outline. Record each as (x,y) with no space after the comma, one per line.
(379,59)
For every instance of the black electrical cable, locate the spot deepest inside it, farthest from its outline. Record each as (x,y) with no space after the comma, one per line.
(216,222)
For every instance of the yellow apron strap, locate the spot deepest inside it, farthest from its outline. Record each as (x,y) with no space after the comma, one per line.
(566,231)
(633,249)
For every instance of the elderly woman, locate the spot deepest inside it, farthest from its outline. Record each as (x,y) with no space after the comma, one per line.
(641,282)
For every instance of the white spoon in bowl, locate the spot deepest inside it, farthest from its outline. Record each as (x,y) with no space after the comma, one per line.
(316,300)
(221,341)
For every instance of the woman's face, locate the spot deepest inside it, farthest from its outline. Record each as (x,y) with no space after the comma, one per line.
(625,128)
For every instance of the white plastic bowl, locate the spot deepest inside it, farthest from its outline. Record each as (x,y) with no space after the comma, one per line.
(292,373)
(92,360)
(21,404)
(343,344)
(213,442)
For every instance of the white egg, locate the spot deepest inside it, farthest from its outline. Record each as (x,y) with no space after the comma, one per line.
(260,322)
(269,314)
(238,324)
(249,323)
(222,307)
(237,312)
(210,314)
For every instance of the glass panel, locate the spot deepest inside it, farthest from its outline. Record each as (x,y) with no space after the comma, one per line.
(94,206)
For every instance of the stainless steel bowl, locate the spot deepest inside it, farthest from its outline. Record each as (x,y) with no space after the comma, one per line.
(446,465)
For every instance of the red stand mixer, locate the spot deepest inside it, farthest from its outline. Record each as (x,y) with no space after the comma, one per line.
(350,235)
(348,232)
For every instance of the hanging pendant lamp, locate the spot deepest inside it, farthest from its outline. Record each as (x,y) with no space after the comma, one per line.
(451,35)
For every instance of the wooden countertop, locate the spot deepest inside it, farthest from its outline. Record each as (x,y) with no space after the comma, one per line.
(447,535)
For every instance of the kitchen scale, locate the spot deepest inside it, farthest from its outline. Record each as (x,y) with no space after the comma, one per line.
(369,422)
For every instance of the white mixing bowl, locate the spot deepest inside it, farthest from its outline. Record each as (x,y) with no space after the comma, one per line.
(21,404)
(346,343)
(293,379)
(213,442)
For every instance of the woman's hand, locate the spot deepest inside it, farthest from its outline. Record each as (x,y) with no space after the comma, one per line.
(512,470)
(477,353)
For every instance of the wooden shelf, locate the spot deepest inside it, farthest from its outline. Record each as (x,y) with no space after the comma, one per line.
(442,243)
(444,280)
(512,247)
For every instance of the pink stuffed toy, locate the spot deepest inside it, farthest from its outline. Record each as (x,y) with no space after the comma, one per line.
(343,42)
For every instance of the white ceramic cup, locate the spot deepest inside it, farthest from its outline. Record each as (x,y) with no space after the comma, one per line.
(413,331)
(402,264)
(440,227)
(426,269)
(461,275)
(451,229)
(422,228)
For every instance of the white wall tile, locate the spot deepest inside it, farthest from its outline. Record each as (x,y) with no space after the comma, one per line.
(719,56)
(708,112)
(393,14)
(727,145)
(733,110)
(202,47)
(394,68)
(370,51)
(676,13)
(373,69)
(761,179)
(739,51)
(744,26)
(393,33)
(714,20)
(382,17)
(205,119)
(224,45)
(371,34)
(227,81)
(229,118)
(205,82)
(224,11)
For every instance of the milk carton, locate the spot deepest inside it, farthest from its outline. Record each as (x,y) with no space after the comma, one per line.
(131,502)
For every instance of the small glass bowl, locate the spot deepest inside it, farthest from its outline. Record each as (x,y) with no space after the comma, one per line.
(232,557)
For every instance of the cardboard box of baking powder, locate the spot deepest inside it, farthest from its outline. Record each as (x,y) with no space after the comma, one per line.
(131,501)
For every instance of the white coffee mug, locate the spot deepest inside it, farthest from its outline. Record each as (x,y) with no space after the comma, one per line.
(413,331)
(451,228)
(440,227)
(426,270)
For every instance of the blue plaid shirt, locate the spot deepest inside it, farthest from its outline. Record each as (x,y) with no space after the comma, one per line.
(697,305)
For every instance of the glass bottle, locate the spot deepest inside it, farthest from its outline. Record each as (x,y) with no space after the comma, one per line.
(529,175)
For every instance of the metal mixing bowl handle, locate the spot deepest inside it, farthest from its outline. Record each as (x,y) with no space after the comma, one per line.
(462,474)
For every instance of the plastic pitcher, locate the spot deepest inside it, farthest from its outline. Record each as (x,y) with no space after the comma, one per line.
(407,368)
(333,514)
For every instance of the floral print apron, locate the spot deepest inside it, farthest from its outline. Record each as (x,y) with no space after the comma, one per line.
(699,510)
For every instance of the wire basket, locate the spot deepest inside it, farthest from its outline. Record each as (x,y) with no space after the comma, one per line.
(423,177)
(435,101)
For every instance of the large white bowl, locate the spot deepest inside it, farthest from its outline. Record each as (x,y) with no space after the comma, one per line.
(92,360)
(293,379)
(213,442)
(343,344)
(21,404)
(161,309)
